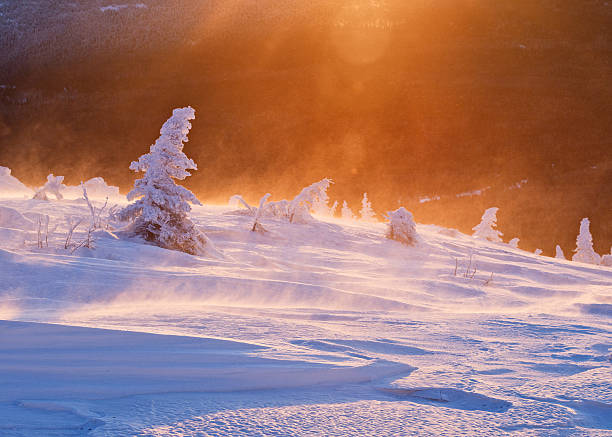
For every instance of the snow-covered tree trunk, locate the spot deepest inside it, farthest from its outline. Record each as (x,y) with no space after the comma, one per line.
(366,212)
(402,227)
(486,228)
(584,245)
(159,213)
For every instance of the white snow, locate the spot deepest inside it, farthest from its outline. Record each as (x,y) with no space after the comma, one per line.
(97,188)
(321,328)
(116,8)
(426,199)
(10,186)
(473,192)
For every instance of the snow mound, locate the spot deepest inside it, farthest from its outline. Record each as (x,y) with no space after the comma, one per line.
(97,188)
(10,186)
(11,218)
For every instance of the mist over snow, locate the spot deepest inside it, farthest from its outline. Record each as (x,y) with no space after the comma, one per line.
(320,325)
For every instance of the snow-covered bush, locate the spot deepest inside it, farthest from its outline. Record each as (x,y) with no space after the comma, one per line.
(538,251)
(52,186)
(300,207)
(584,245)
(295,211)
(486,228)
(514,242)
(160,212)
(279,209)
(366,212)
(346,212)
(559,252)
(402,227)
(606,260)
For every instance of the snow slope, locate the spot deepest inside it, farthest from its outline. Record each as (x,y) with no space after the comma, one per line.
(310,329)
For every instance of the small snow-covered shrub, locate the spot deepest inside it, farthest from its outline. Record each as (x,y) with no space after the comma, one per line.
(366,212)
(402,227)
(279,209)
(538,251)
(346,212)
(559,252)
(606,260)
(300,207)
(52,186)
(584,245)
(160,212)
(485,230)
(514,242)
(297,210)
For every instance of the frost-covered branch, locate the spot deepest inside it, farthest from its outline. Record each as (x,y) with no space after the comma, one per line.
(256,225)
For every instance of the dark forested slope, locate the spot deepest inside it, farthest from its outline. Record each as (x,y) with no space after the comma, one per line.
(400,99)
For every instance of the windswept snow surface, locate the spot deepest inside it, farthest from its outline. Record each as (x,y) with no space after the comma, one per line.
(324,328)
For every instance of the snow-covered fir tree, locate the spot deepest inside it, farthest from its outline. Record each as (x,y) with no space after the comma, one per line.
(52,186)
(486,228)
(160,212)
(346,212)
(402,227)
(332,210)
(559,252)
(584,245)
(366,212)
(514,242)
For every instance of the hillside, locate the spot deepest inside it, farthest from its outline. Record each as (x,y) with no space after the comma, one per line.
(403,100)
(318,328)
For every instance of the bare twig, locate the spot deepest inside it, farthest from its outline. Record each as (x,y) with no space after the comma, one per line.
(469,266)
(39,238)
(71,227)
(257,227)
(488,281)
(99,222)
(46,231)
